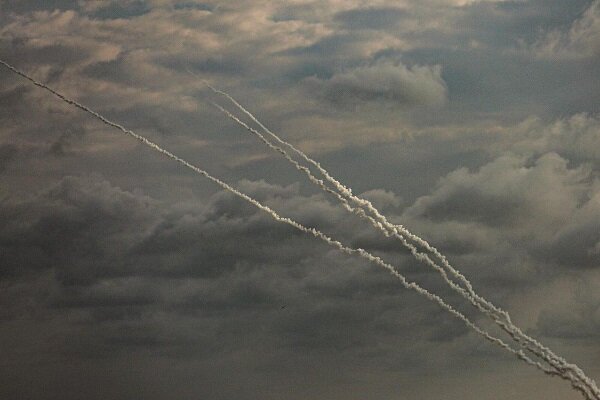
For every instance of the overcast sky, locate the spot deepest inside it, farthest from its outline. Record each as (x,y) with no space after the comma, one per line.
(122,275)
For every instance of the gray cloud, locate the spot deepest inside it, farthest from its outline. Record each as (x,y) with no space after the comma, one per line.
(130,273)
(431,109)
(506,192)
(546,208)
(121,9)
(581,40)
(32,5)
(386,82)
(371,18)
(7,153)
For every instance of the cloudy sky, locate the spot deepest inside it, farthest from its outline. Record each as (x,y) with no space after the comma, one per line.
(473,123)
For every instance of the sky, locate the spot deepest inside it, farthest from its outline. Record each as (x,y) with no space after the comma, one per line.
(475,124)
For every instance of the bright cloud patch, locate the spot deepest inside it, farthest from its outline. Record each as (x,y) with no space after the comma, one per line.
(387,82)
(582,40)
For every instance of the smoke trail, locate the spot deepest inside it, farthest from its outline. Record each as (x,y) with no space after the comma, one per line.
(500,316)
(473,297)
(312,231)
(420,256)
(348,192)
(393,230)
(413,249)
(345,191)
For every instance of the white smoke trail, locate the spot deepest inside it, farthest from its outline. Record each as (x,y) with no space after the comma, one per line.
(345,191)
(494,312)
(359,211)
(382,224)
(500,316)
(413,249)
(312,231)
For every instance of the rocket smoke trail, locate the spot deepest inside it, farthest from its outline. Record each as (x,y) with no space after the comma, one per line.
(419,256)
(312,231)
(412,248)
(499,316)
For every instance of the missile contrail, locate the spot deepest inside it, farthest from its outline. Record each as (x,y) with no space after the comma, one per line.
(412,248)
(494,312)
(414,251)
(501,317)
(311,231)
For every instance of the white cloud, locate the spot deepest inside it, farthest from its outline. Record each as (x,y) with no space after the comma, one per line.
(576,138)
(582,40)
(386,82)
(509,194)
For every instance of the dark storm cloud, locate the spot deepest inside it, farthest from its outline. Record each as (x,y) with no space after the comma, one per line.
(583,325)
(494,65)
(496,195)
(20,6)
(122,9)
(115,257)
(575,138)
(47,54)
(103,229)
(579,40)
(386,82)
(113,70)
(578,318)
(371,18)
(86,230)
(193,5)
(548,202)
(62,146)
(11,101)
(577,244)
(80,220)
(472,123)
(508,22)
(7,153)
(35,138)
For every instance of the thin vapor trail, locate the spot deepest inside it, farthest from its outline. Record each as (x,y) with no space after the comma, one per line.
(419,256)
(413,249)
(382,224)
(312,231)
(347,192)
(357,210)
(501,317)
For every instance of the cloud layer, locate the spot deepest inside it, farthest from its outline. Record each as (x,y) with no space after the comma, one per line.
(472,123)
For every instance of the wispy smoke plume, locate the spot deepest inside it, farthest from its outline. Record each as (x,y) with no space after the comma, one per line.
(365,209)
(580,385)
